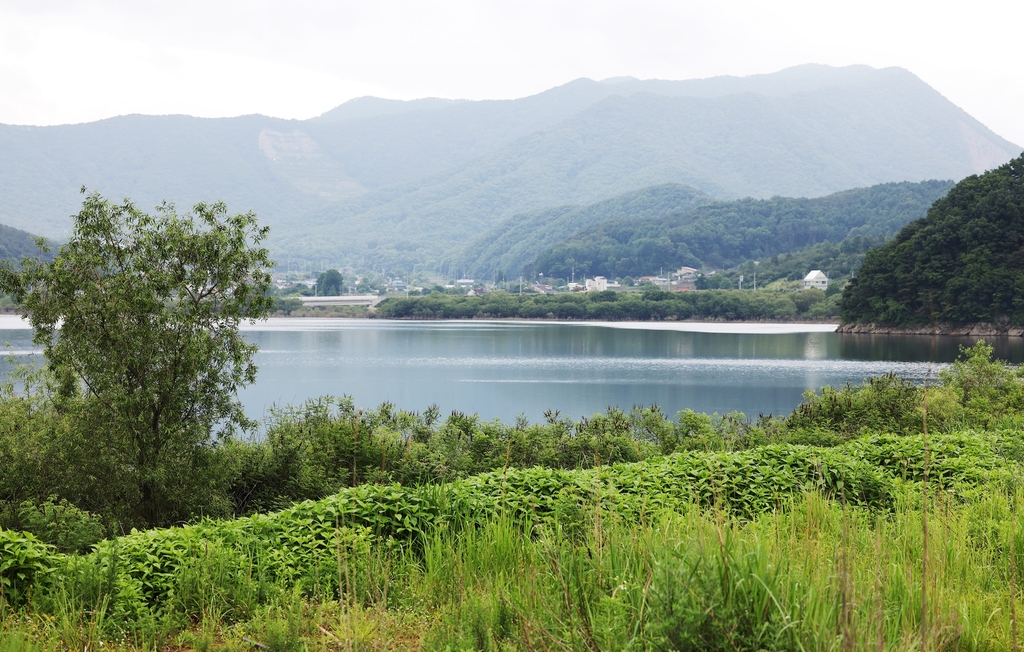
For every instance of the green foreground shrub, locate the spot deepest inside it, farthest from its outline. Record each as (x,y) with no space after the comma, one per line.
(303,546)
(23,561)
(815,576)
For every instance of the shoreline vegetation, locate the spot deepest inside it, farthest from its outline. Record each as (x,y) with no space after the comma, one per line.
(370,316)
(980,329)
(877,516)
(649,305)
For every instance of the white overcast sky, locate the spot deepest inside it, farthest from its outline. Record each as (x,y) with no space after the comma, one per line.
(66,61)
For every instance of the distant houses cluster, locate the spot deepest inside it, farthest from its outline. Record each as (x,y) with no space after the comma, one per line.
(682,280)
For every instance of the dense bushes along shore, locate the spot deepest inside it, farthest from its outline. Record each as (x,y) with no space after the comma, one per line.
(794,533)
(651,304)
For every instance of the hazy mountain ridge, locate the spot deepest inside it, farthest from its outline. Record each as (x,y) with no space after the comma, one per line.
(369,107)
(16,244)
(381,182)
(148,158)
(386,149)
(743,145)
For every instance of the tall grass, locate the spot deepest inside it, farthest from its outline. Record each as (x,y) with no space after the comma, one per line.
(818,575)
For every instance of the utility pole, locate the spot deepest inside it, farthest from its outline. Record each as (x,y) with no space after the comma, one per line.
(520,286)
(741,281)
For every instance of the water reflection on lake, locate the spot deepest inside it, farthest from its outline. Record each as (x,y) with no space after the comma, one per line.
(501,369)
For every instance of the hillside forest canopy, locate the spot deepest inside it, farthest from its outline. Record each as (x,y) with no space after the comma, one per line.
(725,234)
(963,263)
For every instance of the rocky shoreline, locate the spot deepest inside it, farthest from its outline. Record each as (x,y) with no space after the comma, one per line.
(970,330)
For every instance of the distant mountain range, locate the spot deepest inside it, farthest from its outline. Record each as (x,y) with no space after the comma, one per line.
(386,184)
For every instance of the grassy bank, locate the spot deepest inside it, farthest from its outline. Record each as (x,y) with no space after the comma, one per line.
(774,548)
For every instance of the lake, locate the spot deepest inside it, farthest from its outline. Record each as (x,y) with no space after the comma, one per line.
(504,368)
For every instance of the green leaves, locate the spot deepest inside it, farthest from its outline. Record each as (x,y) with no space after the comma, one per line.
(649,305)
(138,315)
(302,546)
(23,560)
(314,546)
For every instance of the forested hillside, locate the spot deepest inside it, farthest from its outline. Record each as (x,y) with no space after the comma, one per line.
(513,243)
(838,260)
(961,264)
(378,183)
(725,234)
(16,244)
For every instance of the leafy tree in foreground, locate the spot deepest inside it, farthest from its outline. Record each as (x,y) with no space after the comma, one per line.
(138,317)
(961,264)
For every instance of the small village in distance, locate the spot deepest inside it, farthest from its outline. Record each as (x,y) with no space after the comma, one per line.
(310,288)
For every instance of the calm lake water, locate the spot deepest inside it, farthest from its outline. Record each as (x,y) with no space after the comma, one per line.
(501,369)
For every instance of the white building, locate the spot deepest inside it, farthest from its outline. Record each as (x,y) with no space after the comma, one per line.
(597,284)
(816,279)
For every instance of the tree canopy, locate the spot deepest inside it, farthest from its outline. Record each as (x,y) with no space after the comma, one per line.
(508,248)
(138,316)
(963,263)
(329,283)
(651,304)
